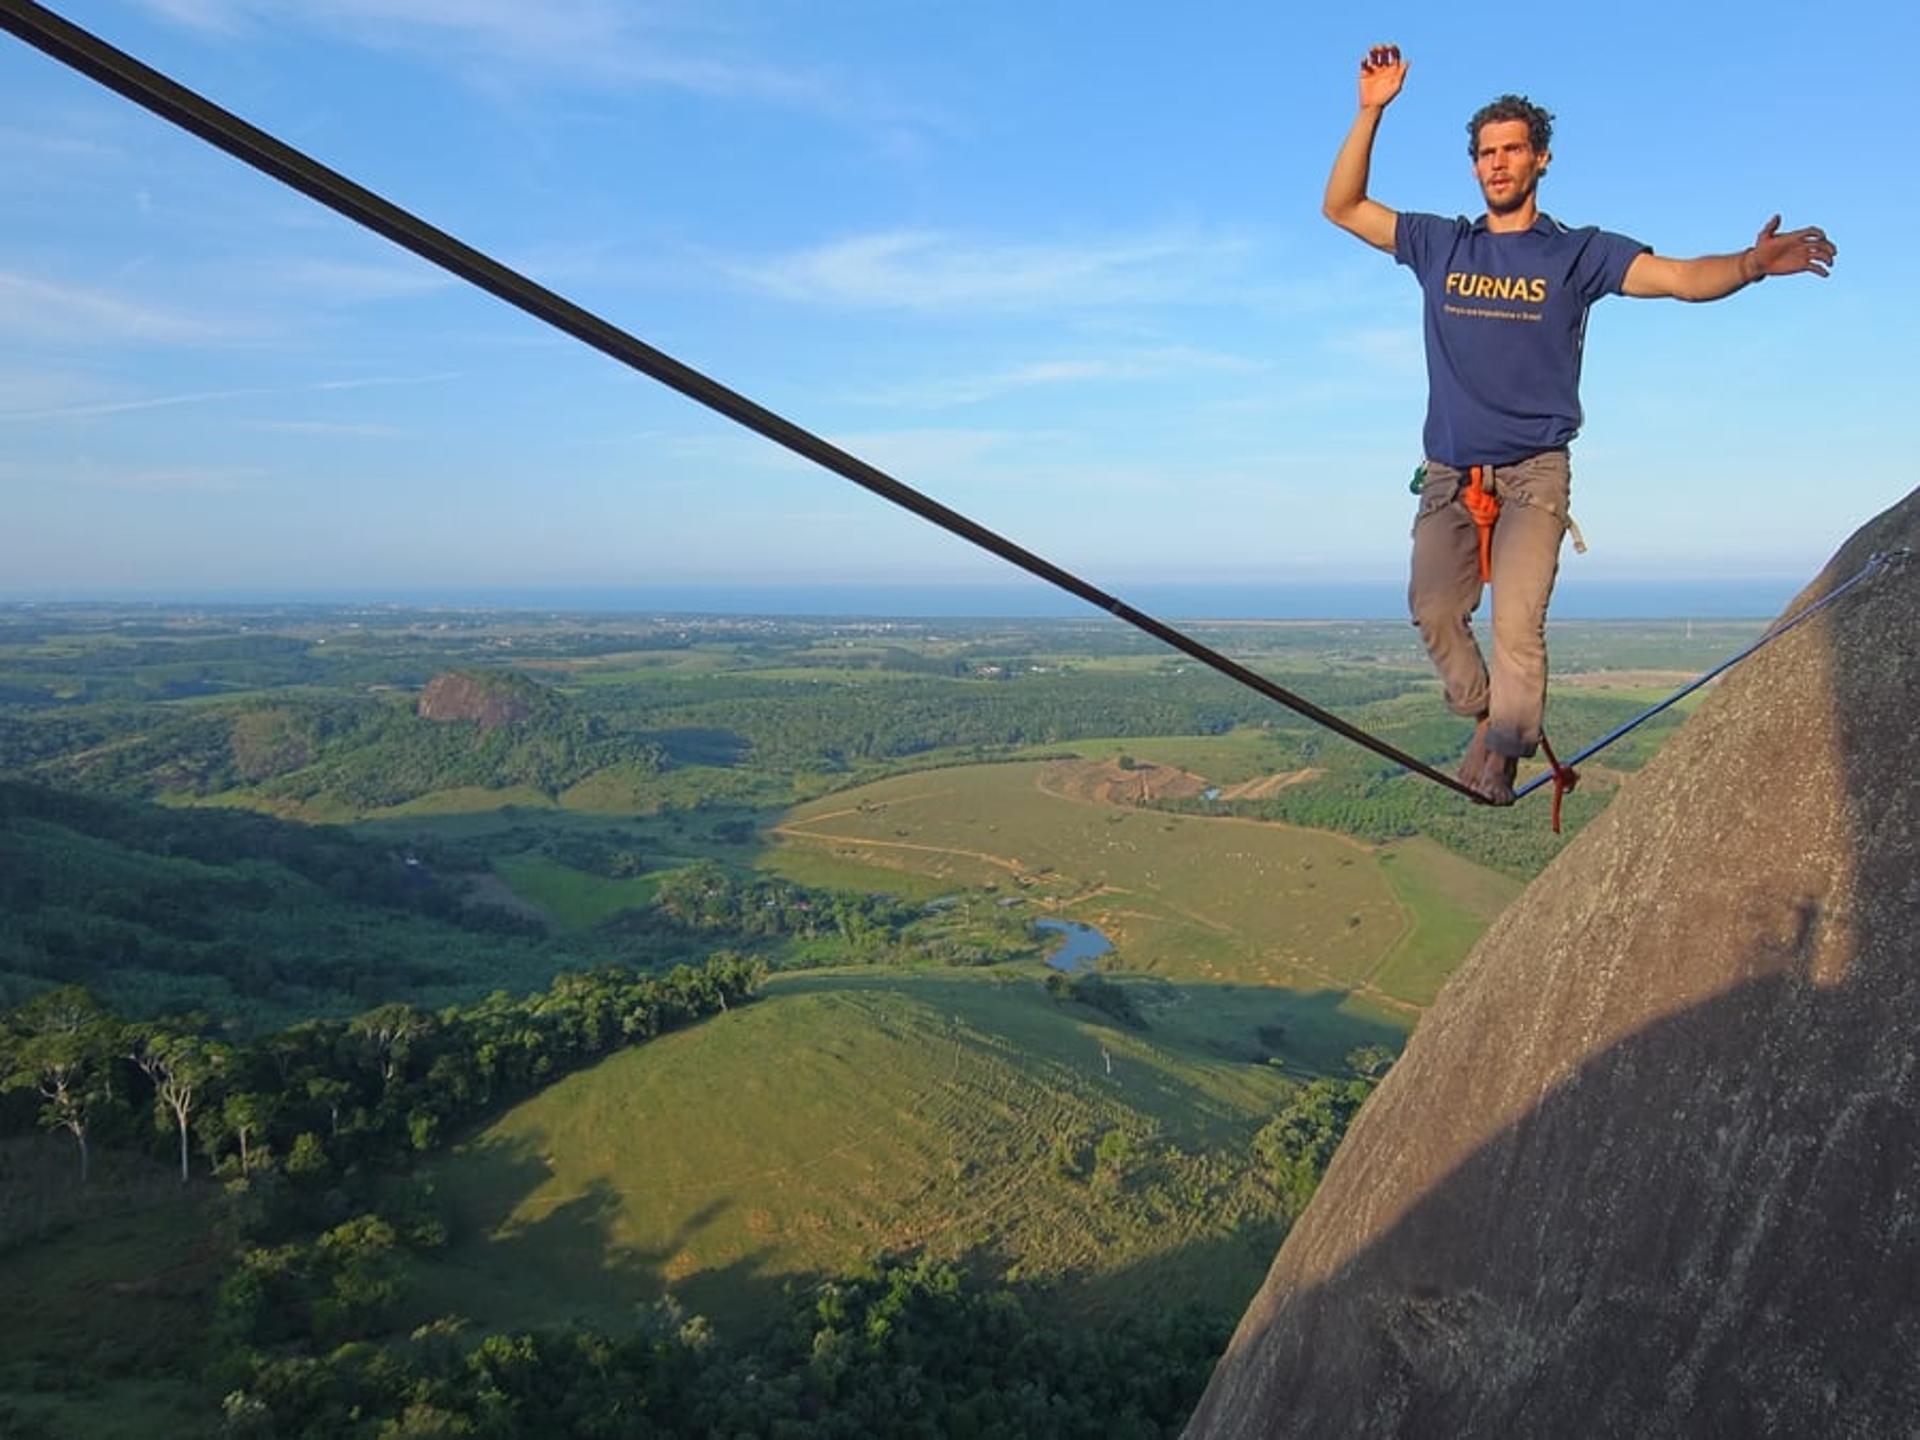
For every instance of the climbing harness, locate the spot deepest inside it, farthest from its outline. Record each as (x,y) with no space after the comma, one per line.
(115,69)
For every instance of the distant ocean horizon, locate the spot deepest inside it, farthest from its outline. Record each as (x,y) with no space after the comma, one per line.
(1574,599)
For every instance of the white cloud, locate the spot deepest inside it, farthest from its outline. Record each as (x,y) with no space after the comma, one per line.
(325,428)
(902,453)
(222,16)
(1125,366)
(351,282)
(925,453)
(44,390)
(602,42)
(927,270)
(157,479)
(51,144)
(40,310)
(69,408)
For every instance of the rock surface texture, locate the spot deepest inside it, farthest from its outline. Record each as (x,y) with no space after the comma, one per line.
(491,699)
(1651,1165)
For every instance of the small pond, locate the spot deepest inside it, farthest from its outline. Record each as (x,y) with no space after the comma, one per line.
(1083,946)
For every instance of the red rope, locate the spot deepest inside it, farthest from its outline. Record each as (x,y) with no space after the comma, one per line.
(1564,779)
(1484,506)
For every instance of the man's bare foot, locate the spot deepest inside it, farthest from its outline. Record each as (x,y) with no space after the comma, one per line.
(1496,778)
(1475,760)
(1486,773)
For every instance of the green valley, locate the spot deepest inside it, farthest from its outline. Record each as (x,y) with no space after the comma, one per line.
(445,1003)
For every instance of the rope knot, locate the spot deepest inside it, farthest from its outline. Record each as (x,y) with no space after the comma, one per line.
(1565,777)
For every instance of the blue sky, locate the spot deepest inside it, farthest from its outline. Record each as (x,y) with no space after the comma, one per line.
(1060,266)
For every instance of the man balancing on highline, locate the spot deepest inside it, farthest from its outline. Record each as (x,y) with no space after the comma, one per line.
(1506,310)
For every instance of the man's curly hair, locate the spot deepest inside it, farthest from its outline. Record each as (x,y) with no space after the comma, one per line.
(1512,107)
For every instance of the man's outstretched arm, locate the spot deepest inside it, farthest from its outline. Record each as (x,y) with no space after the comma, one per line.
(1382,73)
(1712,277)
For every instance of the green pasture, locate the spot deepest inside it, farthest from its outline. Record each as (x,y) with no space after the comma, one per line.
(849,1112)
(839,674)
(1186,897)
(677,666)
(827,869)
(602,669)
(465,800)
(1450,901)
(574,899)
(1241,754)
(1300,1032)
(1115,664)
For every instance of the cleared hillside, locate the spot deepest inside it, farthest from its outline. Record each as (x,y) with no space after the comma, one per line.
(850,1112)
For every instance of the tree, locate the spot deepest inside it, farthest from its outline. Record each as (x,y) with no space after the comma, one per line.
(330,1094)
(1298,1143)
(389,1032)
(307,1160)
(1370,1062)
(182,1068)
(247,1113)
(360,1261)
(62,1045)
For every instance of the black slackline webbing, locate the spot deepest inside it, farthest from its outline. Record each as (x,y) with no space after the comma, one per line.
(147,87)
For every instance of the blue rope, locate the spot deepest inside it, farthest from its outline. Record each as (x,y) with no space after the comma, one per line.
(1876,562)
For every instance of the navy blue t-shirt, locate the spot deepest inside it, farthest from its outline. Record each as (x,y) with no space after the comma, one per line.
(1506,316)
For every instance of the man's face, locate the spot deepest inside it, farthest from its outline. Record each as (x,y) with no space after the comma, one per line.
(1507,166)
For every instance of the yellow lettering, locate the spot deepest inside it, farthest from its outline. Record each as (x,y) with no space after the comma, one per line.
(1469,286)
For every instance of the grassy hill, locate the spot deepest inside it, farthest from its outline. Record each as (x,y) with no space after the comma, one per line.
(849,1112)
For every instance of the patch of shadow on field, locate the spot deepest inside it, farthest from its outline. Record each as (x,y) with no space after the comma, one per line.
(1218,1276)
(691,745)
(568,1263)
(1304,1032)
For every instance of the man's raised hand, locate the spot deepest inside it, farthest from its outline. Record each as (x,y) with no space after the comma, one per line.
(1774,253)
(1382,73)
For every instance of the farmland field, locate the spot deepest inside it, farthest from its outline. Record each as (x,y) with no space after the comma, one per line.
(1189,897)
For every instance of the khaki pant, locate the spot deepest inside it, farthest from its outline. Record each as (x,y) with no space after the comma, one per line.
(1445,591)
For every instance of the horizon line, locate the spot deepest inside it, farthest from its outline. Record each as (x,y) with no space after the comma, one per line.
(1343,601)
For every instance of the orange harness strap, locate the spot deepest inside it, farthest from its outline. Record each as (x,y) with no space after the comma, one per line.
(1481,502)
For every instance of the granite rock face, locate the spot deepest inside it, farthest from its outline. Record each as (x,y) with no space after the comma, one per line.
(1651,1165)
(491,699)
